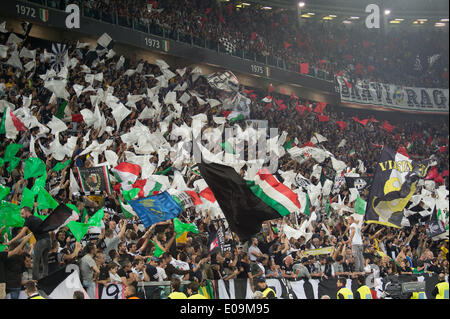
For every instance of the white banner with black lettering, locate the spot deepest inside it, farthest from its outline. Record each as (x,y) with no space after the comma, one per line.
(396,97)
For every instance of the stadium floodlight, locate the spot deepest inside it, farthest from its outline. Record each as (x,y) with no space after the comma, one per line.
(301,4)
(387,12)
(354,18)
(440,24)
(346,22)
(444,20)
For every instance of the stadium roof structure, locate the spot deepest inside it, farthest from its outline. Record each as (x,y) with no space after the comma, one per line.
(431,13)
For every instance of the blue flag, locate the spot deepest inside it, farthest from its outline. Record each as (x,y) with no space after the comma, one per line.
(155,209)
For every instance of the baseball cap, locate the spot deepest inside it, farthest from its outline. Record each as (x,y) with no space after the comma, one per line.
(260,279)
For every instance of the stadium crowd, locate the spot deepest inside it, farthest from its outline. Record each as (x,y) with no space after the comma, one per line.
(400,56)
(124,251)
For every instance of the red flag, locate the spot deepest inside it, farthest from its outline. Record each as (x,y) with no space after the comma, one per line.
(402,150)
(248,91)
(341,124)
(430,140)
(432,173)
(340,73)
(301,109)
(77,118)
(230,8)
(286,45)
(226,113)
(282,107)
(221,19)
(195,198)
(348,84)
(304,68)
(323,118)
(293,96)
(283,91)
(445,173)
(307,144)
(271,88)
(439,179)
(253,96)
(376,145)
(442,149)
(363,122)
(208,10)
(370,68)
(322,62)
(253,36)
(388,127)
(268,106)
(373,120)
(320,107)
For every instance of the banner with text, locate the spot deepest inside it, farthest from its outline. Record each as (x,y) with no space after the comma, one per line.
(395,97)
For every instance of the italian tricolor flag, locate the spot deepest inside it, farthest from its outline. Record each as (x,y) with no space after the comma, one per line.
(275,194)
(126,172)
(204,191)
(147,187)
(10,125)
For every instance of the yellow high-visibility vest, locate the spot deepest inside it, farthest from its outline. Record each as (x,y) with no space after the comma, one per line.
(347,293)
(177,295)
(443,290)
(267,291)
(364,292)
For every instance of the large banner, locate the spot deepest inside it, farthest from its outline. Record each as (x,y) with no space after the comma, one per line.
(313,288)
(395,97)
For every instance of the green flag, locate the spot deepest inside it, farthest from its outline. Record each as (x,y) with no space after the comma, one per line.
(181,227)
(328,207)
(60,112)
(3,122)
(60,166)
(307,208)
(4,191)
(79,230)
(45,200)
(34,167)
(13,164)
(42,217)
(164,172)
(74,208)
(228,148)
(125,212)
(39,184)
(158,251)
(10,215)
(132,193)
(288,145)
(237,118)
(11,151)
(360,206)
(27,198)
(2,247)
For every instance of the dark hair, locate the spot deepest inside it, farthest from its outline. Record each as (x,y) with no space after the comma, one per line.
(78,295)
(361,279)
(166,255)
(27,209)
(112,265)
(193,286)
(339,258)
(175,284)
(342,280)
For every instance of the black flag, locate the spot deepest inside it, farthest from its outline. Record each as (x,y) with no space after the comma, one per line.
(243,210)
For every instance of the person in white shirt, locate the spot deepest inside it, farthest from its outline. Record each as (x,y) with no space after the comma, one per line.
(253,251)
(356,243)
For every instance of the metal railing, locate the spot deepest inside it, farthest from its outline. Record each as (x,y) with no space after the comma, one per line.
(141,25)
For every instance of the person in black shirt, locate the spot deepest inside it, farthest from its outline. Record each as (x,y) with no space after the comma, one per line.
(15,266)
(42,245)
(243,265)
